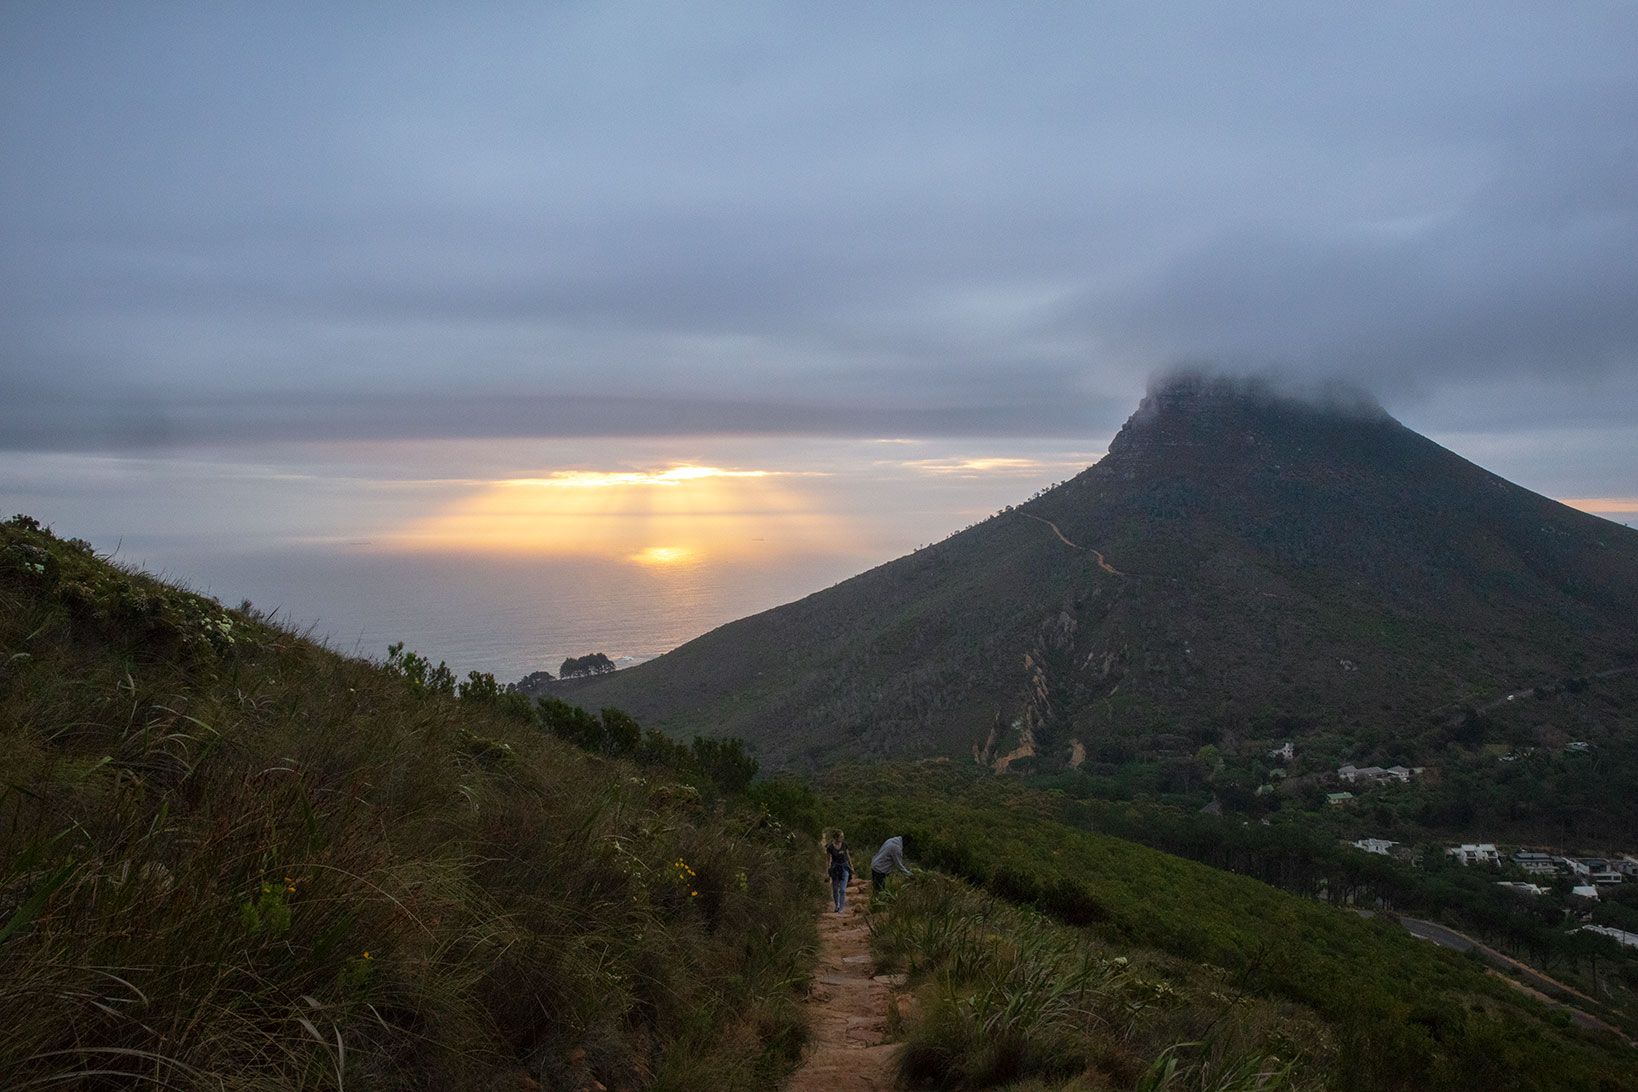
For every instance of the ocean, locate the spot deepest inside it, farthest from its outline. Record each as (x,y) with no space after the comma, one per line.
(505,615)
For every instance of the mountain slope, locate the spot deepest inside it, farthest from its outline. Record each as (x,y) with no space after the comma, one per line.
(1239,560)
(232,859)
(1353,1001)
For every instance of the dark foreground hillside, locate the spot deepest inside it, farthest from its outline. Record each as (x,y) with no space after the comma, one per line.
(1240,567)
(230,859)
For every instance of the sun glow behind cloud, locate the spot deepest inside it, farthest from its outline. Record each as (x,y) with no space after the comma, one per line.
(978,466)
(974,465)
(654,517)
(1603,505)
(602,479)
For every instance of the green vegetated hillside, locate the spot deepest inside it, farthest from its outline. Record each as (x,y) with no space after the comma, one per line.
(1240,567)
(1505,775)
(231,859)
(1000,995)
(1312,855)
(1391,1011)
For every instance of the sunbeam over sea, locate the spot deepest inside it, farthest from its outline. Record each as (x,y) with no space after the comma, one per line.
(503,614)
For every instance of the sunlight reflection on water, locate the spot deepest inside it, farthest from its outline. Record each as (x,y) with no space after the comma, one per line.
(507,615)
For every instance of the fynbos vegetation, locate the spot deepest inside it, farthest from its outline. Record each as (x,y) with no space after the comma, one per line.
(1396,1012)
(1005,994)
(231,859)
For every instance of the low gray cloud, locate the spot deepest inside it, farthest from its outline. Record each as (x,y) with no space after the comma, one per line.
(53,419)
(244,224)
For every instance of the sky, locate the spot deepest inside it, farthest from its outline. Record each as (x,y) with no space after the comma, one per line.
(742,282)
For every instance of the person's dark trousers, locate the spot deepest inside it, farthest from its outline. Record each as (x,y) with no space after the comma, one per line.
(877,879)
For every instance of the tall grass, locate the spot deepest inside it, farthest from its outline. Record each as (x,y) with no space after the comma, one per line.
(1399,1014)
(231,859)
(1006,997)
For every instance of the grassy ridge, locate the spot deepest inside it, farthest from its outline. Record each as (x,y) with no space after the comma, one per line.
(1004,994)
(1403,1014)
(232,859)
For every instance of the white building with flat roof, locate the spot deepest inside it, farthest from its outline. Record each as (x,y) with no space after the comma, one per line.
(1523,888)
(1475,853)
(1600,870)
(1534,863)
(1376,775)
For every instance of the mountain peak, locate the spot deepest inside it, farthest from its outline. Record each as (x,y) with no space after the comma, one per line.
(1300,556)
(1193,407)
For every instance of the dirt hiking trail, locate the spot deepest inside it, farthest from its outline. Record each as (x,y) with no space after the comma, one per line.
(1096,554)
(847,1007)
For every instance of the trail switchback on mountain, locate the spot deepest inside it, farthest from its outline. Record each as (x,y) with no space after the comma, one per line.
(1097,554)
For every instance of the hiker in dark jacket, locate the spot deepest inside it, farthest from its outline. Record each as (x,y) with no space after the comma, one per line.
(841,868)
(887,858)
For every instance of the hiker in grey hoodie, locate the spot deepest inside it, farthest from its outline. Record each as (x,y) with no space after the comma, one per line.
(887,858)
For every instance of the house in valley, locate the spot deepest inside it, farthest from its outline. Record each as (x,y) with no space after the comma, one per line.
(1535,863)
(1376,775)
(1602,870)
(1522,888)
(1472,853)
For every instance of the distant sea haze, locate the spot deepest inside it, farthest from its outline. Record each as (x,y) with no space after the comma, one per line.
(502,614)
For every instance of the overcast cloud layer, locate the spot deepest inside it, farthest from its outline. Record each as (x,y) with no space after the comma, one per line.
(282,223)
